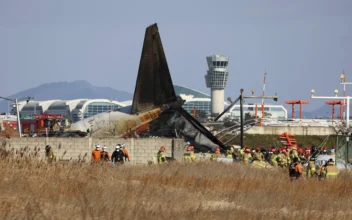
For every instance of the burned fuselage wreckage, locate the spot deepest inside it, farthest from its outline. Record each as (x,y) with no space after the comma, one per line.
(155,105)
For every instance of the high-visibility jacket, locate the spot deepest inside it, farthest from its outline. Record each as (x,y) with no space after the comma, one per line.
(246,158)
(331,170)
(293,154)
(229,153)
(289,161)
(259,164)
(310,169)
(242,153)
(258,156)
(273,160)
(51,156)
(96,156)
(282,160)
(189,157)
(215,156)
(161,157)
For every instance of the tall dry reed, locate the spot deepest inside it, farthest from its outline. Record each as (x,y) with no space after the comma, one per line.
(33,189)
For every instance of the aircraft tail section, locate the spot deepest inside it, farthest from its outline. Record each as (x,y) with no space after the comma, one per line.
(154,86)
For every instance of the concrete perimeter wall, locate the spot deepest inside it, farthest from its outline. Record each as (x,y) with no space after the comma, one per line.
(297,130)
(140,150)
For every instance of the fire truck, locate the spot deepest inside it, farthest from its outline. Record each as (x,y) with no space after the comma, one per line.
(43,124)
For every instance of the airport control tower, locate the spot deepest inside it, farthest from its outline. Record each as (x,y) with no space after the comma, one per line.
(216,79)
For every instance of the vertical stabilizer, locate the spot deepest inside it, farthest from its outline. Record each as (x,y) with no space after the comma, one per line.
(154,85)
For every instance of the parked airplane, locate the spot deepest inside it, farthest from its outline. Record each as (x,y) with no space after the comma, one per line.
(154,94)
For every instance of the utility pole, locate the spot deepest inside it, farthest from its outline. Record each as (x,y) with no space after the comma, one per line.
(242,97)
(241,115)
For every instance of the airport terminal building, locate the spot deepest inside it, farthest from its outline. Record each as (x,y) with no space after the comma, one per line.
(73,110)
(78,109)
(194,99)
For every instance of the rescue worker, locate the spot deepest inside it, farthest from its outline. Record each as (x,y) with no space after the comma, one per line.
(328,170)
(282,160)
(161,155)
(49,153)
(189,156)
(307,152)
(285,157)
(258,155)
(267,155)
(104,155)
(311,167)
(118,156)
(295,170)
(324,151)
(288,152)
(247,157)
(332,152)
(242,152)
(294,153)
(217,154)
(258,159)
(300,153)
(274,158)
(229,153)
(125,152)
(314,149)
(252,151)
(96,154)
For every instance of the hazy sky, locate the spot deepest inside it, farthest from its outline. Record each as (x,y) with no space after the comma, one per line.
(302,44)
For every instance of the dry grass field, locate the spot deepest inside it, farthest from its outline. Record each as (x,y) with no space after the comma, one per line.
(30,189)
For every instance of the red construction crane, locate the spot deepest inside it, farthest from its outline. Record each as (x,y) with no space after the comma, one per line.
(293,103)
(333,103)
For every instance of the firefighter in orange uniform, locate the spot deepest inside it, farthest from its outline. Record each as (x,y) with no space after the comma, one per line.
(96,154)
(125,151)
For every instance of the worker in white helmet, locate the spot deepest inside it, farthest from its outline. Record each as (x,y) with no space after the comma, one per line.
(118,156)
(104,155)
(96,154)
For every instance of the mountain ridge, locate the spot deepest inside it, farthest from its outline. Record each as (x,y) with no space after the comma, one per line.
(64,90)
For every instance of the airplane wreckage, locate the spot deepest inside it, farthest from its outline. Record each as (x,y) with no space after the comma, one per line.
(155,104)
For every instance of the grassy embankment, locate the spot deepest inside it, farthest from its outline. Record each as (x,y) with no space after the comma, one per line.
(32,189)
(253,140)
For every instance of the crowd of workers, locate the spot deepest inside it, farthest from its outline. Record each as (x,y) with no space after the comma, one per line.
(118,157)
(286,157)
(291,157)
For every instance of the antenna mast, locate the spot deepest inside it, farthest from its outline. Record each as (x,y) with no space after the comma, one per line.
(263,93)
